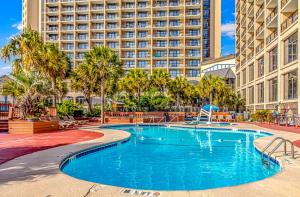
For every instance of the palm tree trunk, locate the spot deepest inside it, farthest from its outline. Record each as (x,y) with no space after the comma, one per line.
(177,101)
(53,88)
(88,100)
(210,98)
(102,103)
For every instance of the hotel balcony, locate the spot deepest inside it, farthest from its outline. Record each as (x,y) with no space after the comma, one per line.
(271,4)
(289,6)
(292,19)
(259,32)
(260,14)
(271,37)
(271,20)
(259,48)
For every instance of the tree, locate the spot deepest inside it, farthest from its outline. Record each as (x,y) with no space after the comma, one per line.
(24,51)
(209,86)
(55,65)
(178,89)
(30,90)
(84,79)
(135,83)
(160,79)
(108,68)
(61,89)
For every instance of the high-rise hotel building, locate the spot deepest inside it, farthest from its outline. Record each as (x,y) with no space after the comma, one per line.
(173,34)
(267,59)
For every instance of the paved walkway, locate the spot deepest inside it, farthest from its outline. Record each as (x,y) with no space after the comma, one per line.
(16,145)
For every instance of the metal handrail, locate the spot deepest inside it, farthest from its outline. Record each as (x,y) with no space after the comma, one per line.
(282,140)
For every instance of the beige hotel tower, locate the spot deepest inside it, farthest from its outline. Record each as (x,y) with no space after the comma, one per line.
(267,54)
(176,35)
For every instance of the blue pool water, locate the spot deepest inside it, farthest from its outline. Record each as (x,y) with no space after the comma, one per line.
(162,158)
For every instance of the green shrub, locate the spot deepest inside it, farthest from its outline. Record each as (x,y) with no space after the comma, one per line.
(95,112)
(68,107)
(261,116)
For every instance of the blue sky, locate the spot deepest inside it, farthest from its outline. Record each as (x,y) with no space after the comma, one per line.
(11,17)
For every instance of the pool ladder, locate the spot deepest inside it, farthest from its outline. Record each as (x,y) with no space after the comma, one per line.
(280,141)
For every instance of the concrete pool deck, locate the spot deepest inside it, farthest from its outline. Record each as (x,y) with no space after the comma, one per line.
(38,174)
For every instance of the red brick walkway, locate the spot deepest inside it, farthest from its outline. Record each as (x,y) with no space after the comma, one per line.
(281,128)
(12,146)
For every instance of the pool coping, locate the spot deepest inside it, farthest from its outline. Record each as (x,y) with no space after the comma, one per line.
(283,183)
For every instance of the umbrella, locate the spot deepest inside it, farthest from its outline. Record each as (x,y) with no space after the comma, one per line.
(213,107)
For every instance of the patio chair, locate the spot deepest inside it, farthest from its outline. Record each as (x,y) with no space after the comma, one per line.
(67,119)
(214,118)
(229,118)
(81,122)
(62,124)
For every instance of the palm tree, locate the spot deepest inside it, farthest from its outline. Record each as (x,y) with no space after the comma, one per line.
(135,83)
(160,79)
(84,79)
(30,89)
(55,65)
(61,88)
(209,86)
(177,88)
(108,66)
(24,51)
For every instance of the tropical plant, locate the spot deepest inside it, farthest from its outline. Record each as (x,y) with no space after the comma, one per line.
(68,107)
(160,79)
(108,69)
(55,65)
(30,90)
(134,84)
(61,89)
(210,86)
(24,51)
(177,89)
(84,79)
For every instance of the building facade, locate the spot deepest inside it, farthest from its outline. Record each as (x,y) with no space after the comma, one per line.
(267,65)
(176,35)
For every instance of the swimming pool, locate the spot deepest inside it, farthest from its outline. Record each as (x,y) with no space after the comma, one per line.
(173,158)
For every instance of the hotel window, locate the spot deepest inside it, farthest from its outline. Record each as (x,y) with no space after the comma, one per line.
(244,76)
(82,36)
(129,34)
(112,35)
(112,25)
(142,24)
(142,64)
(260,67)
(143,44)
(260,93)
(161,23)
(161,33)
(273,59)
(194,42)
(160,63)
(194,32)
(251,72)
(129,25)
(112,15)
(161,13)
(174,12)
(273,89)
(82,27)
(174,73)
(129,44)
(174,33)
(129,54)
(143,54)
(291,48)
(194,53)
(251,94)
(194,22)
(112,44)
(174,3)
(174,63)
(162,53)
(161,43)
(174,43)
(174,22)
(142,34)
(193,73)
(143,14)
(174,53)
(82,46)
(129,64)
(290,85)
(99,35)
(194,63)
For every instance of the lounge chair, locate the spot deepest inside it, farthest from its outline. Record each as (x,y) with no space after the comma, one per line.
(81,122)
(214,118)
(62,124)
(229,118)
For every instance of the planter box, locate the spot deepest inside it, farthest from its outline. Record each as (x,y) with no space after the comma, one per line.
(27,127)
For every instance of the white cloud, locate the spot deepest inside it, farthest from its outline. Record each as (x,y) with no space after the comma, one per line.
(17,26)
(228,30)
(4,69)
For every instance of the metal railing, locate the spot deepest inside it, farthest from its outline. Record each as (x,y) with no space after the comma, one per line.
(281,141)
